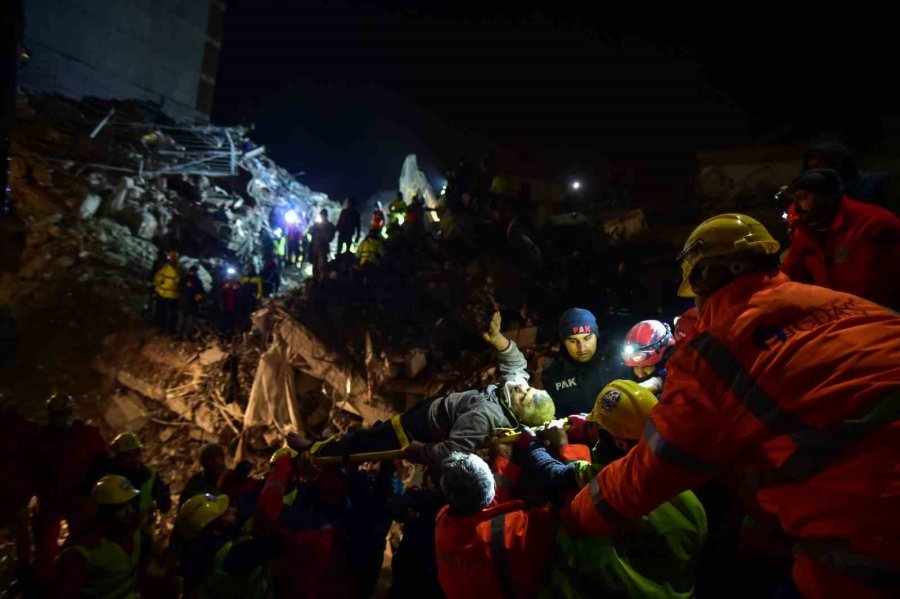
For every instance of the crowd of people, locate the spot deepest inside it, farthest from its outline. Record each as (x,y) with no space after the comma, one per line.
(748,448)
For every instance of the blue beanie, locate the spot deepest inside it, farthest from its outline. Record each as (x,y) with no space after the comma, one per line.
(576,321)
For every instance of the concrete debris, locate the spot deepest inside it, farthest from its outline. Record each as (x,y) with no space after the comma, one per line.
(212,355)
(126,412)
(90,205)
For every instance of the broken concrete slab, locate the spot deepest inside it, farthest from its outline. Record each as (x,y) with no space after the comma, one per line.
(145,388)
(212,356)
(89,205)
(126,413)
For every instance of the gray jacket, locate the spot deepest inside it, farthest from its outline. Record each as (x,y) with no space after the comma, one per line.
(463,421)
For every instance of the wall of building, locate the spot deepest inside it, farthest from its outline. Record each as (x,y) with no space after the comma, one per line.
(160,51)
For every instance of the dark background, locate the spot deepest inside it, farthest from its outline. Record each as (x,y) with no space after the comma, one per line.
(344,90)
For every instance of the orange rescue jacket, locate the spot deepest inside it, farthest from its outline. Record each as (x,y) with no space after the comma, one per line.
(798,387)
(499,552)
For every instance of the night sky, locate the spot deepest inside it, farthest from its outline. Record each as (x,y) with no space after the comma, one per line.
(344,90)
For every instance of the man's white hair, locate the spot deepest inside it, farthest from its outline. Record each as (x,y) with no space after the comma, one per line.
(467,481)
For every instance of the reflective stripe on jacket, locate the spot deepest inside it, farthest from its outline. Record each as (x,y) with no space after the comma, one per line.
(796,385)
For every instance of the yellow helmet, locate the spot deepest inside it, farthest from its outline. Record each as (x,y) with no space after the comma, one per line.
(723,235)
(113,490)
(283,451)
(198,512)
(623,408)
(125,442)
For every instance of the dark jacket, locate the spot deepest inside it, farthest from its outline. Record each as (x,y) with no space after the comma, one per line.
(462,421)
(349,222)
(188,289)
(858,254)
(574,387)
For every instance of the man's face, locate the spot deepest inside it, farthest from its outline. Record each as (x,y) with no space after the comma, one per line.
(228,520)
(60,419)
(582,347)
(130,461)
(806,201)
(814,209)
(520,394)
(128,513)
(642,372)
(215,463)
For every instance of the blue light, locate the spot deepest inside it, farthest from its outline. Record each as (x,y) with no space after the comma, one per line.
(291,218)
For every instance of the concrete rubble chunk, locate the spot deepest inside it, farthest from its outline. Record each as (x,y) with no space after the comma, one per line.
(89,205)
(212,356)
(126,413)
(145,388)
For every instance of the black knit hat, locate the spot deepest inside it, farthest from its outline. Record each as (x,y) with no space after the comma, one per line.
(824,181)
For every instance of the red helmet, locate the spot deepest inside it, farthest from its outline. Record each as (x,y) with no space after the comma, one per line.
(646,343)
(686,323)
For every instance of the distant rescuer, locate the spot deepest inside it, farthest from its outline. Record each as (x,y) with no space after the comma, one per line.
(843,244)
(578,374)
(796,386)
(165,285)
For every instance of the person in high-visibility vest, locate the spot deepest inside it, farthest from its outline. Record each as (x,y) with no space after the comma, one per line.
(102,562)
(655,556)
(371,249)
(397,209)
(794,385)
(165,286)
(218,561)
(126,451)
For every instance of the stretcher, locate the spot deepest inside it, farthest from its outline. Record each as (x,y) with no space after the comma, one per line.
(508,435)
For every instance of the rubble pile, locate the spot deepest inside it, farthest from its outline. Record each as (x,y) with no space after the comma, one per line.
(101,189)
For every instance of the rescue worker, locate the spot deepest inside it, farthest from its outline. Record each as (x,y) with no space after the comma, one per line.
(16,484)
(378,219)
(455,422)
(165,286)
(485,549)
(190,294)
(212,459)
(686,323)
(218,562)
(251,293)
(862,186)
(126,460)
(348,226)
(576,376)
(792,384)
(654,556)
(843,244)
(102,562)
(397,209)
(70,456)
(301,534)
(294,242)
(279,250)
(371,250)
(229,298)
(648,345)
(320,245)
